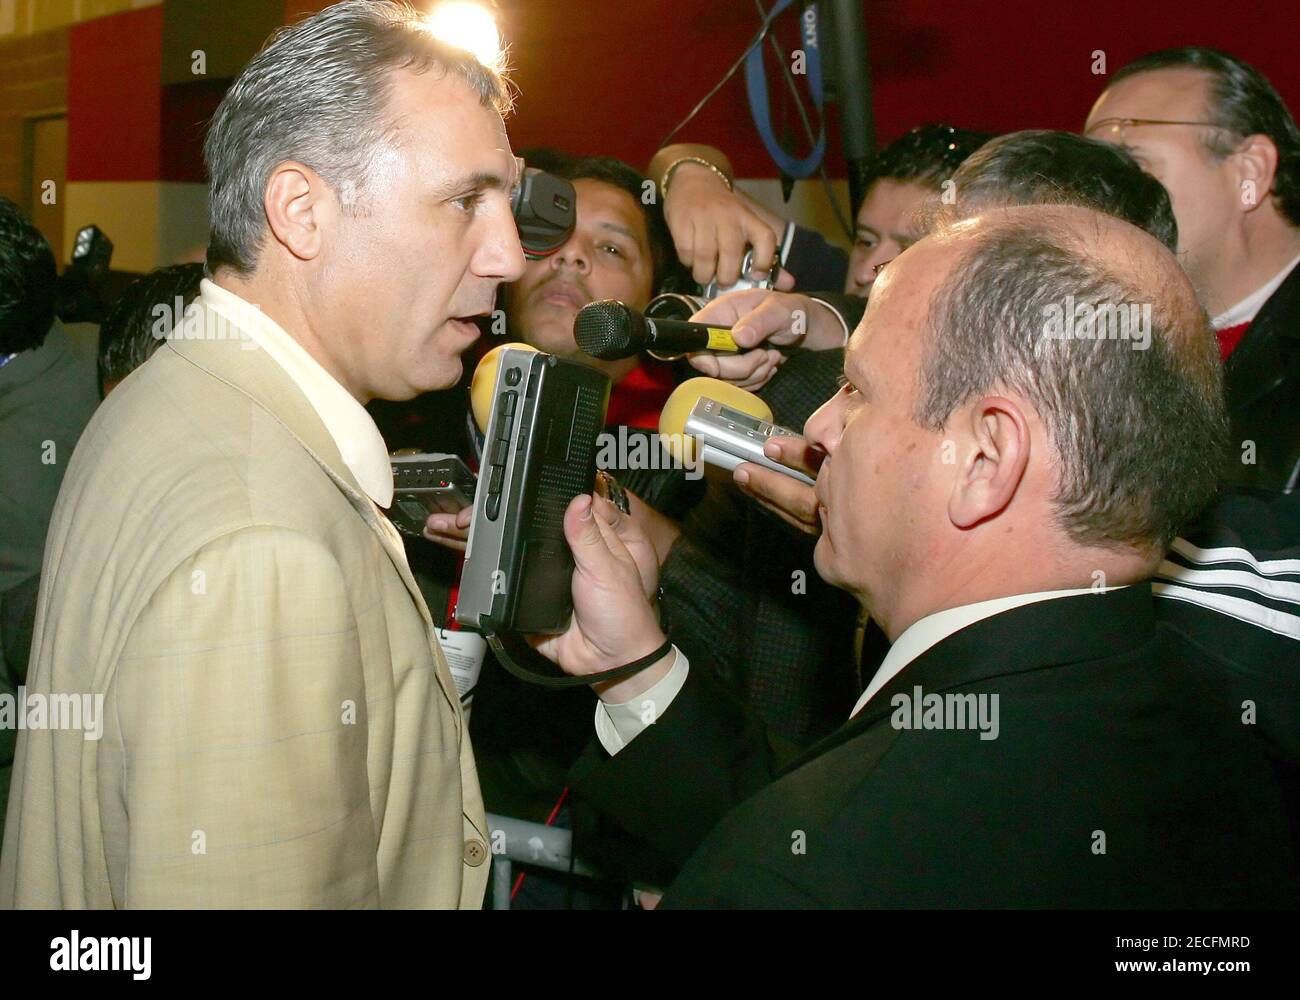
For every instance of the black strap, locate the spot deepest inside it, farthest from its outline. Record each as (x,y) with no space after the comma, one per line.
(550,679)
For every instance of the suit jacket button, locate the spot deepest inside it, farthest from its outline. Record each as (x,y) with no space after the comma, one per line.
(475,852)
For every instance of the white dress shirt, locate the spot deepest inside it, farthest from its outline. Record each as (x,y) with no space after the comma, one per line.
(619,723)
(933,629)
(1246,310)
(353,429)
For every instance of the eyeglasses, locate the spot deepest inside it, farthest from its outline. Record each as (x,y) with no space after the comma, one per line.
(1114,128)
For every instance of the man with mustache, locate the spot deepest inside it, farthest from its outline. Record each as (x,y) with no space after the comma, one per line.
(620,249)
(525,740)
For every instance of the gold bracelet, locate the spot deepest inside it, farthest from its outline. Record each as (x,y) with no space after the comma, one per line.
(668,174)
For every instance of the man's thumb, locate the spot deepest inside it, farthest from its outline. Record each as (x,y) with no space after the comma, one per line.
(583,533)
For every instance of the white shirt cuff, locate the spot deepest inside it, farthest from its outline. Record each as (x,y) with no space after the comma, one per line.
(619,723)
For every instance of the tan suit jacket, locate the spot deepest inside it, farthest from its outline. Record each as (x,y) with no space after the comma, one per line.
(280,728)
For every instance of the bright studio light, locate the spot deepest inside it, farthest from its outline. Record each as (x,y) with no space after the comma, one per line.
(467,26)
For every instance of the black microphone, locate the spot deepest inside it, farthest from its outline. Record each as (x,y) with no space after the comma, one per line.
(610,330)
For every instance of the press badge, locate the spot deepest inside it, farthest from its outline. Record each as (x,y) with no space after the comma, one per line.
(464,652)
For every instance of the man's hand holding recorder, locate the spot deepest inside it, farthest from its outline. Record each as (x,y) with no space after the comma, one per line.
(759,317)
(616,574)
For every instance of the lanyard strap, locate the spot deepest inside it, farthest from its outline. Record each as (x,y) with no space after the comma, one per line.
(499,644)
(760,110)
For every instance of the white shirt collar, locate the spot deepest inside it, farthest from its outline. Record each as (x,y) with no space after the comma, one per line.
(933,629)
(1246,310)
(353,429)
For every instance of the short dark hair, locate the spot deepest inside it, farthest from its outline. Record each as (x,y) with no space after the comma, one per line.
(1243,102)
(1140,435)
(28,276)
(1043,166)
(616,173)
(132,330)
(928,155)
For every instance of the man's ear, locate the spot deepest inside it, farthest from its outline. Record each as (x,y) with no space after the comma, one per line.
(298,205)
(1256,160)
(997,443)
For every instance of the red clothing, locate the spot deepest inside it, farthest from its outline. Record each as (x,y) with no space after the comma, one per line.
(637,400)
(1230,337)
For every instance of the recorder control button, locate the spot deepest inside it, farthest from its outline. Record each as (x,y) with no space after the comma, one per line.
(500,449)
(505,410)
(494,481)
(493,506)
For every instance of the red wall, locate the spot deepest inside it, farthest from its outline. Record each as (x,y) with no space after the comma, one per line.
(613,76)
(115,97)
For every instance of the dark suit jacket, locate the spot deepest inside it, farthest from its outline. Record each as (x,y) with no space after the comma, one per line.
(1232,585)
(1104,731)
(1262,379)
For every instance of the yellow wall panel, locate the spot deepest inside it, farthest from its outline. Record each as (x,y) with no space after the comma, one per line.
(127,212)
(150,223)
(27,17)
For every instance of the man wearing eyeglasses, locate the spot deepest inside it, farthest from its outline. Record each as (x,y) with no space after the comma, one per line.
(1217,135)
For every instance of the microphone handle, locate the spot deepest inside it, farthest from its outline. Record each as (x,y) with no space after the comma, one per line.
(673,336)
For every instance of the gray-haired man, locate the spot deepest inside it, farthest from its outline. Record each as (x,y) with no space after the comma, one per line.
(279,724)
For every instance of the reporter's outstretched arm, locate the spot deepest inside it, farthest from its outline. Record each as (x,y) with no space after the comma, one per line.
(711,224)
(715,752)
(762,321)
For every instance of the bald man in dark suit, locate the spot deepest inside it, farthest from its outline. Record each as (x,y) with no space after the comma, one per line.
(1000,488)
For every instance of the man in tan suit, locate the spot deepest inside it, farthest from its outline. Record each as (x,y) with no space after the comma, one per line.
(277,725)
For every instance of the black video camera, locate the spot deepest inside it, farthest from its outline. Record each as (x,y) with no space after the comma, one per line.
(80,291)
(545,209)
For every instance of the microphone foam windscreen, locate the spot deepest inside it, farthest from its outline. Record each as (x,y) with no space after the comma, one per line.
(604,330)
(484,381)
(672,418)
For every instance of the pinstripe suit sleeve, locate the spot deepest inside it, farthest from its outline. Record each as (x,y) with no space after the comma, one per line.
(238,721)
